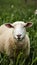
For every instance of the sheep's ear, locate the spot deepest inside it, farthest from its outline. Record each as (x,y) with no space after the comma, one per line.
(9,25)
(29,24)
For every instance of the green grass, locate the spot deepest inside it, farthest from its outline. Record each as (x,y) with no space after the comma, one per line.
(9,13)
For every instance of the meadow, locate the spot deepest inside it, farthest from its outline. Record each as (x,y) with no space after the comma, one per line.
(11,11)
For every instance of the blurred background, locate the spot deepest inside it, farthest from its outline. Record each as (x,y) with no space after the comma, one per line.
(12,10)
(22,10)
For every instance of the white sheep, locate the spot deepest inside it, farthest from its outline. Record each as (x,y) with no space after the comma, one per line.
(15,39)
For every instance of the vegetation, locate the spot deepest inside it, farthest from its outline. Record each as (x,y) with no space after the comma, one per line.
(11,11)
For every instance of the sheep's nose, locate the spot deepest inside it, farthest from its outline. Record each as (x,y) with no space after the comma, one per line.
(19,36)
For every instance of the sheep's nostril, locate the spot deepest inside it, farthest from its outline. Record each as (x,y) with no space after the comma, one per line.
(18,36)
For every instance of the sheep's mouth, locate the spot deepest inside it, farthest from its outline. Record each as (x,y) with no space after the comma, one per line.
(20,39)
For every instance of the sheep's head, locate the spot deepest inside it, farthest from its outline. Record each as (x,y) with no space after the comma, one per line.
(19,29)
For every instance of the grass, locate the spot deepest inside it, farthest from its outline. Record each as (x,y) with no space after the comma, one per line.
(26,14)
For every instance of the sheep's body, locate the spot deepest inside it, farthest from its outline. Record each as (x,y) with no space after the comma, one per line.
(10,45)
(3,28)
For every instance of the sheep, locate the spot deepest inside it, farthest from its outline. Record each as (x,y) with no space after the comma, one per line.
(15,39)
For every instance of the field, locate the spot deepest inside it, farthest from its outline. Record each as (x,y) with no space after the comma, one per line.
(11,11)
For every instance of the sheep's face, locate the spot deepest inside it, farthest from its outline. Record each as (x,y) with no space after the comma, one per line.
(19,29)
